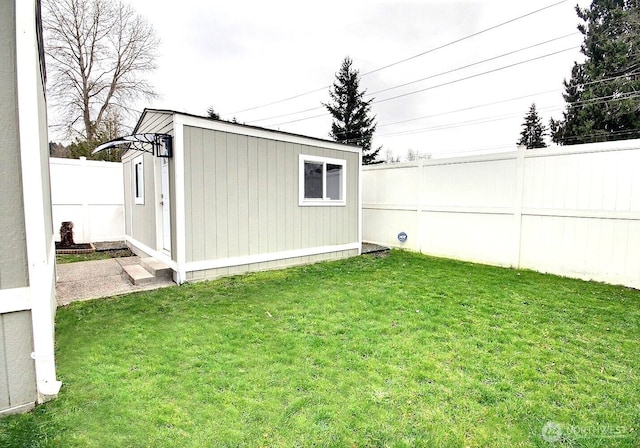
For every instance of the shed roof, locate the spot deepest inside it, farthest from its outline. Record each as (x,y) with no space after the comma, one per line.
(211,123)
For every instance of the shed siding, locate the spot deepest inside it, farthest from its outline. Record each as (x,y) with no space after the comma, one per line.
(251,205)
(140,219)
(156,122)
(13,252)
(17,371)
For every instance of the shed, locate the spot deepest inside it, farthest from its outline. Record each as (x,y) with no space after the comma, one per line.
(211,198)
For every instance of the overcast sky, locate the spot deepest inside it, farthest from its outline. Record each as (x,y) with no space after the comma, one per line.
(236,55)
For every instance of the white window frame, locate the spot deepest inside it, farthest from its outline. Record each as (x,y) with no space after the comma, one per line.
(138,193)
(324,201)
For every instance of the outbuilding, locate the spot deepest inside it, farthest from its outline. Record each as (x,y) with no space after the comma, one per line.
(211,198)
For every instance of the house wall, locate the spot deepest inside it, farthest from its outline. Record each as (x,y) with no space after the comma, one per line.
(142,220)
(572,211)
(241,200)
(17,378)
(27,255)
(13,249)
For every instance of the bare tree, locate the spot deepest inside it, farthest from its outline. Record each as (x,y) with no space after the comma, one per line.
(98,53)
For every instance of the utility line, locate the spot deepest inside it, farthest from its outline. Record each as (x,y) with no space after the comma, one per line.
(473,64)
(478,106)
(428,77)
(464,38)
(507,100)
(504,67)
(406,59)
(599,100)
(632,132)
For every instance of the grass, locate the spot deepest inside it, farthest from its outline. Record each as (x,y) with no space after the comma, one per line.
(400,351)
(98,255)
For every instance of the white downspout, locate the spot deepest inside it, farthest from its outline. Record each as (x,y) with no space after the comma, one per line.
(40,257)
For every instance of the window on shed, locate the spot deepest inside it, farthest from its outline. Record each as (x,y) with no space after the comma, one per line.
(138,179)
(322,180)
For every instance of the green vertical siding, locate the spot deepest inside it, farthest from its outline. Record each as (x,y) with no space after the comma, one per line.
(17,371)
(13,249)
(140,219)
(241,197)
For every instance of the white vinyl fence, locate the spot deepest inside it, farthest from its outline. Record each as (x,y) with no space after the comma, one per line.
(572,211)
(90,194)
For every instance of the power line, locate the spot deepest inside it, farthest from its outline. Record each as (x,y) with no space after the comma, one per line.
(428,77)
(594,137)
(599,100)
(493,103)
(464,38)
(478,106)
(473,64)
(496,102)
(448,44)
(504,67)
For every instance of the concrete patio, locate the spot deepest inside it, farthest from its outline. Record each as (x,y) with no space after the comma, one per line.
(87,280)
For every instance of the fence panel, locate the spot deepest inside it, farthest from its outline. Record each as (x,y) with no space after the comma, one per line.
(90,194)
(572,211)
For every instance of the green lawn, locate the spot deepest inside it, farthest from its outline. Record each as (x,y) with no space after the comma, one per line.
(399,351)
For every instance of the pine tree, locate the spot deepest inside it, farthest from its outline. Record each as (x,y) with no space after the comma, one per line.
(533,131)
(352,122)
(601,96)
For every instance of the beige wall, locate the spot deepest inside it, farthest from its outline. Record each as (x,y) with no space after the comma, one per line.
(13,252)
(17,375)
(241,197)
(141,219)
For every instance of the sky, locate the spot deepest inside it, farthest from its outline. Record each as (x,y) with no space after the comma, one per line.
(237,55)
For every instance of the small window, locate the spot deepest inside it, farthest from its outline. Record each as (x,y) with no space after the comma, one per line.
(322,181)
(138,180)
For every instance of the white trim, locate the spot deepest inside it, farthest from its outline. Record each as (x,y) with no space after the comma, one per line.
(40,256)
(273,256)
(578,213)
(238,261)
(442,209)
(223,126)
(179,195)
(304,202)
(159,255)
(20,409)
(562,213)
(138,181)
(360,202)
(15,299)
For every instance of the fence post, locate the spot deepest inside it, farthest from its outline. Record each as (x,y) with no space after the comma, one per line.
(517,209)
(85,182)
(420,204)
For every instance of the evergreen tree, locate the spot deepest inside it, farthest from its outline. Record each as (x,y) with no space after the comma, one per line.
(352,122)
(602,99)
(211,113)
(533,131)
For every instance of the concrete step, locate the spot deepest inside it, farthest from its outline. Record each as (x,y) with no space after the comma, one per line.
(138,275)
(156,267)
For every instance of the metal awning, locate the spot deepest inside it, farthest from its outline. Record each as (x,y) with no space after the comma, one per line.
(158,144)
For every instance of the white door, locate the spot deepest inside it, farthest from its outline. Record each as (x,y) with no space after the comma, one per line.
(166,205)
